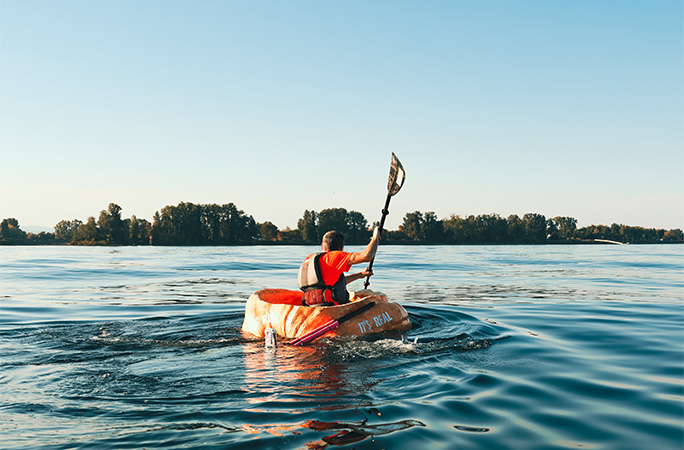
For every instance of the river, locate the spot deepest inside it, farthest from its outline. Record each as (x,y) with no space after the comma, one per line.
(513,347)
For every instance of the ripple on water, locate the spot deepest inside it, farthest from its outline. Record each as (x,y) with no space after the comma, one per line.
(512,347)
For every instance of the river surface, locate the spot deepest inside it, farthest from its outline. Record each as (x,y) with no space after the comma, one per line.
(513,347)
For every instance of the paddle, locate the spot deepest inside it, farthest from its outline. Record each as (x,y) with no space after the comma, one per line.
(397,176)
(329,326)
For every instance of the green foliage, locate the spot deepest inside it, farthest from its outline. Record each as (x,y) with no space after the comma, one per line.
(138,231)
(515,229)
(10,233)
(627,234)
(352,224)
(486,228)
(531,229)
(190,224)
(290,236)
(535,227)
(64,230)
(42,238)
(675,235)
(88,234)
(412,227)
(112,228)
(332,219)
(268,231)
(566,226)
(193,224)
(357,228)
(491,228)
(308,226)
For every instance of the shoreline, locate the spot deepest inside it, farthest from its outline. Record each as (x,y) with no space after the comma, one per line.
(392,243)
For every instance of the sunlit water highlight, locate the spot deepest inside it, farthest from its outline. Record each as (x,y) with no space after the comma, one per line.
(513,347)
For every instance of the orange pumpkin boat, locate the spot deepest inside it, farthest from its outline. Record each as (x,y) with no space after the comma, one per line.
(282,310)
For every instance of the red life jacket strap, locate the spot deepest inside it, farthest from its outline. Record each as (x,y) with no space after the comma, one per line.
(316,297)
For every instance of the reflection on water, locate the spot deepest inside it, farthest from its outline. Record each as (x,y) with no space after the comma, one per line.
(347,432)
(290,373)
(351,433)
(293,374)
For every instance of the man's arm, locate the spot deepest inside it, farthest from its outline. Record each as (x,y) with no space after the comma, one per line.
(356,276)
(368,253)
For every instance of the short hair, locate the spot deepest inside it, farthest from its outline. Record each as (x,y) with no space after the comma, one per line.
(333,240)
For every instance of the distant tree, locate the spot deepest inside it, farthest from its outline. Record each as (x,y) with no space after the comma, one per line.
(9,223)
(515,229)
(155,229)
(10,233)
(288,235)
(111,226)
(457,229)
(88,233)
(138,231)
(332,219)
(211,218)
(432,228)
(412,226)
(178,225)
(471,230)
(42,238)
(308,226)
(566,226)
(133,231)
(357,228)
(236,226)
(268,231)
(651,235)
(552,230)
(188,223)
(191,224)
(535,227)
(65,229)
(675,235)
(491,228)
(394,235)
(352,224)
(616,232)
(451,228)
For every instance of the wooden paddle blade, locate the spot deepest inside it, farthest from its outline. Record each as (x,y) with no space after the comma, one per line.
(396,177)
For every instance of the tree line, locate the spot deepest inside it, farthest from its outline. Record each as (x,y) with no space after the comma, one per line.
(531,228)
(202,225)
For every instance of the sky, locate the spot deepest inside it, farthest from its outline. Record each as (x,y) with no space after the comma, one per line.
(508,107)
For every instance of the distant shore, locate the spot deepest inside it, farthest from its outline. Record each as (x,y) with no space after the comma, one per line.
(384,243)
(189,224)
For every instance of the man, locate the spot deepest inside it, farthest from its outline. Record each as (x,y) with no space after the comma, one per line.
(321,275)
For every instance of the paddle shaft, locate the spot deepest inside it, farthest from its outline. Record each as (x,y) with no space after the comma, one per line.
(324,330)
(385,212)
(329,326)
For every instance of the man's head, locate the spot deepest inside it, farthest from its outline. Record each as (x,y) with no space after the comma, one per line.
(332,240)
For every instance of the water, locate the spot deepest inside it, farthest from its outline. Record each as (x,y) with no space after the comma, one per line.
(513,347)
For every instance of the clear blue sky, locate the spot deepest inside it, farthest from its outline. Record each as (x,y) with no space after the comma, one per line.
(560,108)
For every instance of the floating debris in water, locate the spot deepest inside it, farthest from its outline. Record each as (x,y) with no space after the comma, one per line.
(471,429)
